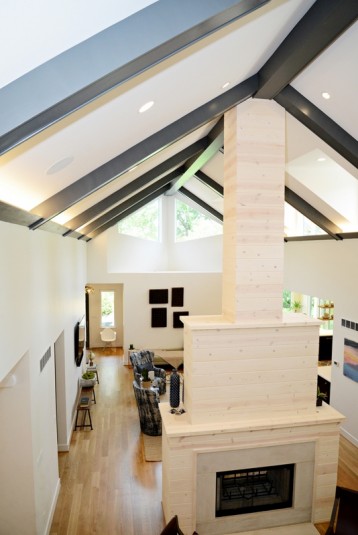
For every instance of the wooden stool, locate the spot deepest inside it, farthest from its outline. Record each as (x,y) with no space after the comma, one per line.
(89,391)
(84,407)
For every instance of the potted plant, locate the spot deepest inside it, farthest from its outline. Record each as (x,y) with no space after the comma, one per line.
(296,306)
(320,397)
(146,382)
(88,379)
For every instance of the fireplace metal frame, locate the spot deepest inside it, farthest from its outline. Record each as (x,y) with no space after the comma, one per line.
(251,487)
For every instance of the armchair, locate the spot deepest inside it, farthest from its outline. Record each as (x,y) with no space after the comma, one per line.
(148,409)
(143,360)
(344,519)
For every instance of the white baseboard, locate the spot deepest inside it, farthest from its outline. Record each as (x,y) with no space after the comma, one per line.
(53,507)
(349,437)
(66,446)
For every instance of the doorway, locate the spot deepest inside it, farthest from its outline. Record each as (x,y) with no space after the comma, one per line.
(94,316)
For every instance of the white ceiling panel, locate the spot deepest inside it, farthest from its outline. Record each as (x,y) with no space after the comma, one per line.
(335,71)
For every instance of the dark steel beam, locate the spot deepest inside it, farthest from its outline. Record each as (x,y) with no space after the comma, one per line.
(199,162)
(104,174)
(17,216)
(319,27)
(349,235)
(174,161)
(132,201)
(319,123)
(203,204)
(126,213)
(308,238)
(311,213)
(115,55)
(205,179)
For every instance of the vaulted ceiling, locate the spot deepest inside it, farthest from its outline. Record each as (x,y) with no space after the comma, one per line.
(77,156)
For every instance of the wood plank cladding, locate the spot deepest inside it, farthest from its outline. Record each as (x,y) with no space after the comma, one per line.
(183,444)
(234,371)
(254,174)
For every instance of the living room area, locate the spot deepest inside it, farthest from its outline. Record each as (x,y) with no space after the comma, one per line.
(106,484)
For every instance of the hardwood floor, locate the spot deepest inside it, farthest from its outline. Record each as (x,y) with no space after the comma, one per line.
(347,471)
(106,485)
(107,488)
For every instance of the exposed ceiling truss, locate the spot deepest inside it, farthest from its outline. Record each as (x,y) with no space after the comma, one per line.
(195,22)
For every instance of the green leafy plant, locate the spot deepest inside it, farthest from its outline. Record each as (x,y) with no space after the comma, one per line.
(321,395)
(88,376)
(296,306)
(145,375)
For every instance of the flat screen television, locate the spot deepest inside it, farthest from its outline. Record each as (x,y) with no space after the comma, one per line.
(79,338)
(325,347)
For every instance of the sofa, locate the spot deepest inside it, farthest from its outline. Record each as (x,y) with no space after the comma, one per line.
(143,360)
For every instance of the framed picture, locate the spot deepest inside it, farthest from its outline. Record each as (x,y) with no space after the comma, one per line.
(177,323)
(159,317)
(350,365)
(158,297)
(177,297)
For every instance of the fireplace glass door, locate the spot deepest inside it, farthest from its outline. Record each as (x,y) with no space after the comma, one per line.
(254,489)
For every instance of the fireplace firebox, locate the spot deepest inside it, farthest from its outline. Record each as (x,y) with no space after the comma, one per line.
(254,489)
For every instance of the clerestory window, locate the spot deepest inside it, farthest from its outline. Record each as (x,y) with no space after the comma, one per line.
(144,223)
(192,224)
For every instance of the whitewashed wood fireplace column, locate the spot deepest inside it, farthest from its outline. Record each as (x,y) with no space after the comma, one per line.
(254,179)
(249,360)
(250,373)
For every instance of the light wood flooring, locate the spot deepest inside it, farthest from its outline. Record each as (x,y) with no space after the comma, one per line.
(107,488)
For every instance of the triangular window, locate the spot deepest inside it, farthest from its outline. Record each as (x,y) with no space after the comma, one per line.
(297,224)
(190,224)
(144,223)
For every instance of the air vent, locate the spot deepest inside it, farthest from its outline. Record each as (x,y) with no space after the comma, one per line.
(44,360)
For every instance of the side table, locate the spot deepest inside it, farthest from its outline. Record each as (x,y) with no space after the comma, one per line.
(84,407)
(93,369)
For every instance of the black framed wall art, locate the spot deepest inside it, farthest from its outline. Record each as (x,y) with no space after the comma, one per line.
(159,317)
(177,297)
(177,323)
(158,297)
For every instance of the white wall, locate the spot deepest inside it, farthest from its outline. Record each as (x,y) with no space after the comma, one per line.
(42,278)
(132,266)
(17,501)
(328,269)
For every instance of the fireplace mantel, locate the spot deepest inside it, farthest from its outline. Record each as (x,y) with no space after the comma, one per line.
(179,426)
(183,443)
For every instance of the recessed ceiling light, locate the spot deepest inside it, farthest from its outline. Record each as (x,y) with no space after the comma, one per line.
(326,95)
(321,159)
(225,85)
(60,165)
(146,106)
